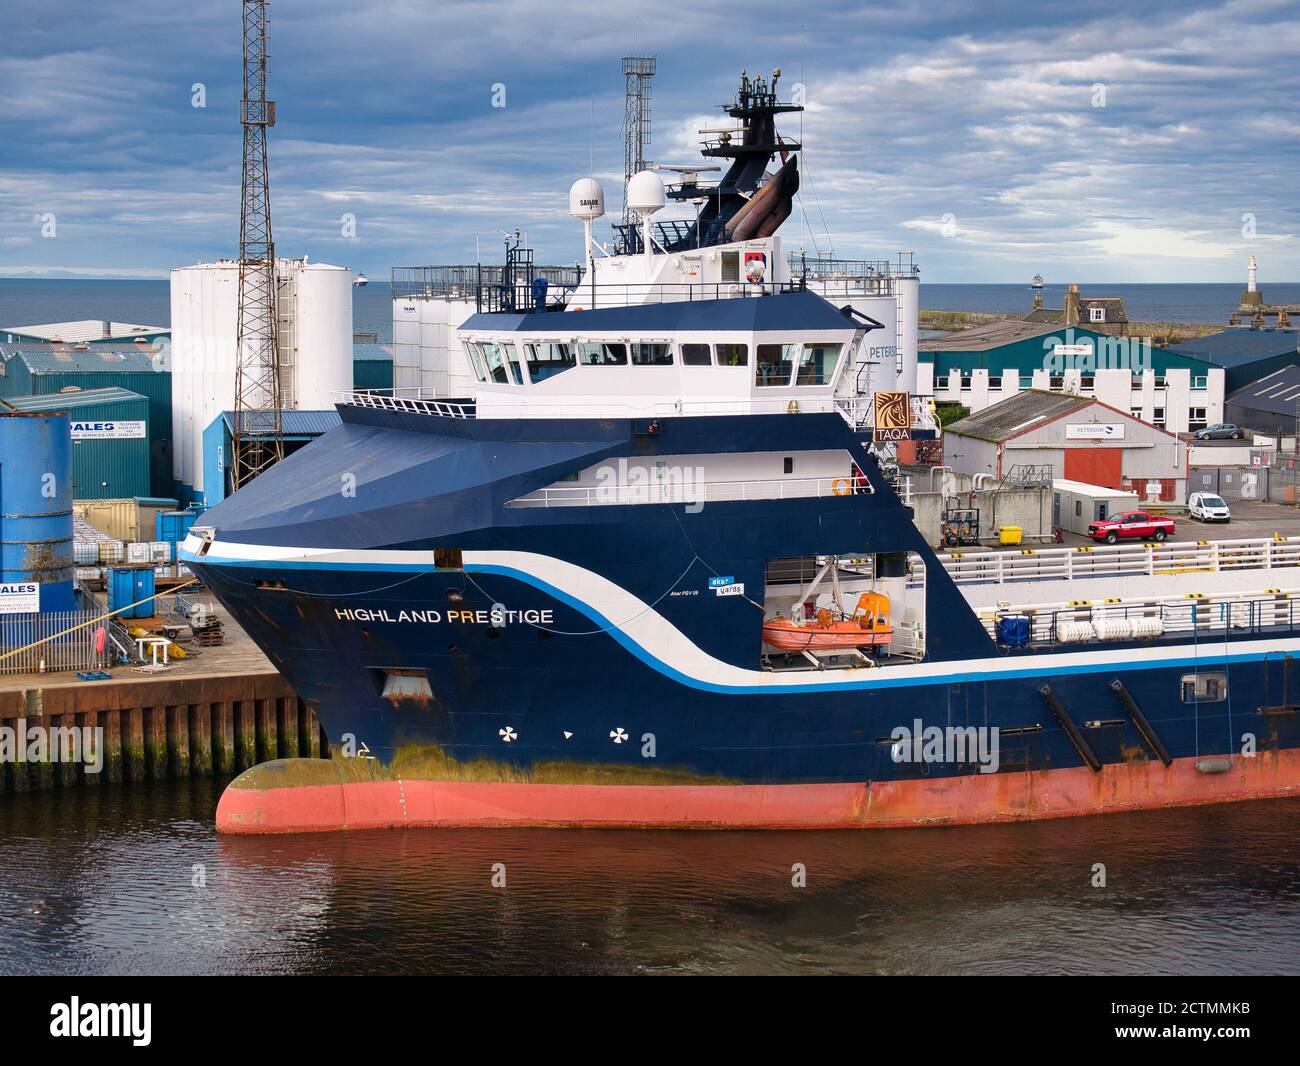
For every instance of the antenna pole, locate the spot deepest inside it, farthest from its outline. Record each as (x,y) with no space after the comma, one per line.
(636,120)
(257,439)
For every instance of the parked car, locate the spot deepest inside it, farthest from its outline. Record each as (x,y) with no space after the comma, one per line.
(1220,431)
(1207,507)
(1131,525)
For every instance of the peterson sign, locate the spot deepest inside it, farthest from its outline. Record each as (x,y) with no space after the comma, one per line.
(1094,431)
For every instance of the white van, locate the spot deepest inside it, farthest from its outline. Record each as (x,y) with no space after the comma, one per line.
(1208,507)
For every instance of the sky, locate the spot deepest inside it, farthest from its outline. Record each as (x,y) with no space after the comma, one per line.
(1136,141)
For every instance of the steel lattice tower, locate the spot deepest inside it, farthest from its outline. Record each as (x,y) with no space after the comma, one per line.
(636,119)
(257,442)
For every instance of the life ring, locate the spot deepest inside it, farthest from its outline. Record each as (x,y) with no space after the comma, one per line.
(841,487)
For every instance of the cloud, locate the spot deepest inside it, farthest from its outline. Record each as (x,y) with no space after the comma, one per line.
(983,110)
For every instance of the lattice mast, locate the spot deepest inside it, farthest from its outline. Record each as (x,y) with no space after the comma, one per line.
(638,70)
(257,442)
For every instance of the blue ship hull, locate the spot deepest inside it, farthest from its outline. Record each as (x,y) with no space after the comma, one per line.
(584,647)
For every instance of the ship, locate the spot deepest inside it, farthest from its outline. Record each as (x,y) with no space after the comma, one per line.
(360,281)
(656,572)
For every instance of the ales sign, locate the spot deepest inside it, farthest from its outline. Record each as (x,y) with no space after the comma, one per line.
(893,416)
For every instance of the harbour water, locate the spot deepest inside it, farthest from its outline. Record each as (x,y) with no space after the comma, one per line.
(24,301)
(133,879)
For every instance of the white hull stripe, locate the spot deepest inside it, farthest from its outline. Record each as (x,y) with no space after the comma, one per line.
(657,642)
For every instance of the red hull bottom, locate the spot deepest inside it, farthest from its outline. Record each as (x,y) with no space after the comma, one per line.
(303,795)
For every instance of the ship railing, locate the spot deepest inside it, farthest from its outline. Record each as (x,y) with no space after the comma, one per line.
(589,296)
(685,489)
(407,404)
(1119,560)
(1238,614)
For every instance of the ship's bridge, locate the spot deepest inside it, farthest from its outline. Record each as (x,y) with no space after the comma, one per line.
(769,353)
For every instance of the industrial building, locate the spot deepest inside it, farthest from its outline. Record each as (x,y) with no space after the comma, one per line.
(298,429)
(372,366)
(137,368)
(978,367)
(1245,354)
(1270,405)
(314,340)
(82,332)
(1078,437)
(109,430)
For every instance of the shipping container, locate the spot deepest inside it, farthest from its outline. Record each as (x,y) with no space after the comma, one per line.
(174,525)
(129,585)
(125,520)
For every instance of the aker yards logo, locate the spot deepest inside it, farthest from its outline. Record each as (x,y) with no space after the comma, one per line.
(893,416)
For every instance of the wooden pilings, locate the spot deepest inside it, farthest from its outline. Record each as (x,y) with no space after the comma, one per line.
(150,730)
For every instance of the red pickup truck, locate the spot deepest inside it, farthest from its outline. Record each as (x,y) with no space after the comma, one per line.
(1131,525)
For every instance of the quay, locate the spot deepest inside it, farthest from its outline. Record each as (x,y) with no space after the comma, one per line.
(210,715)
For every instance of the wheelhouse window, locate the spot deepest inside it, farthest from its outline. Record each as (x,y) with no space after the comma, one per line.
(475,352)
(545,359)
(696,355)
(732,354)
(817,364)
(511,353)
(495,362)
(652,353)
(775,364)
(602,354)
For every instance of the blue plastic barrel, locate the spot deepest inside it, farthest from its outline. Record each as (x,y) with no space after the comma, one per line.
(1013,630)
(36,505)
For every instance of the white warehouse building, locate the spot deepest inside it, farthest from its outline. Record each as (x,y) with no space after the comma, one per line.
(314,338)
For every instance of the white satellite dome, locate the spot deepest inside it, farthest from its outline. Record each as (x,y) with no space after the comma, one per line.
(586,199)
(645,193)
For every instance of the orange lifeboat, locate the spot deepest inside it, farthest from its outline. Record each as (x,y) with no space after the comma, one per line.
(868,626)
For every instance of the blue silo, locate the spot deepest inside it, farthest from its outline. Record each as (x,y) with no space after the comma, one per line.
(36,507)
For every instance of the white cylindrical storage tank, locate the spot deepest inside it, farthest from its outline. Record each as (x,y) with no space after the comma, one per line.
(909,301)
(315,342)
(204,306)
(322,321)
